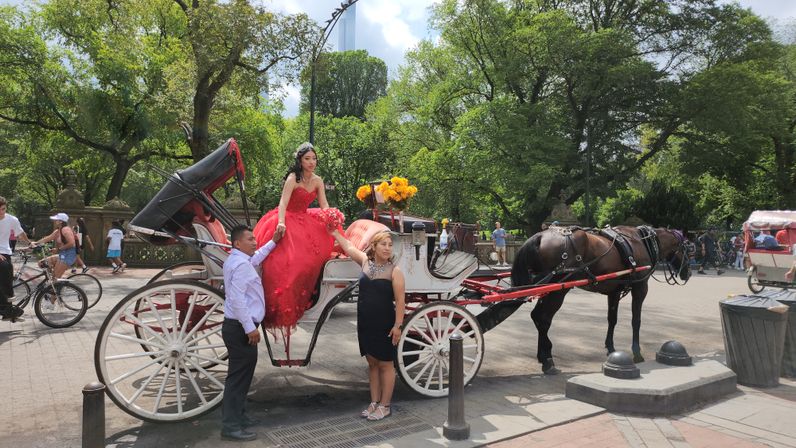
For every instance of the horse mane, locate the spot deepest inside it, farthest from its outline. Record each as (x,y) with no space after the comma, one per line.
(529,251)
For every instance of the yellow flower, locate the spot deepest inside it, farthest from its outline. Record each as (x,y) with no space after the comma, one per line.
(364,192)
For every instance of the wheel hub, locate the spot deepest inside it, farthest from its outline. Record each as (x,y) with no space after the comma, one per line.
(441,350)
(177,351)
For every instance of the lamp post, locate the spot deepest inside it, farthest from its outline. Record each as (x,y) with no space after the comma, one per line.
(326,31)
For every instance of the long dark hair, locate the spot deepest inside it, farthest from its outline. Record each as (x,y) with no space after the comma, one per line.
(302,150)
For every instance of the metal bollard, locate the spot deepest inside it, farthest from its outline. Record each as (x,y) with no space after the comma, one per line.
(455,428)
(94,415)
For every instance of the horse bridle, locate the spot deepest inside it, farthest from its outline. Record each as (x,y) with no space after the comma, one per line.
(669,273)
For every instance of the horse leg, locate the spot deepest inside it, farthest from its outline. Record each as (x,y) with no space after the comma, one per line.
(542,316)
(639,293)
(613,309)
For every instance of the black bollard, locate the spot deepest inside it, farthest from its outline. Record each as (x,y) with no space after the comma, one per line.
(94,415)
(455,428)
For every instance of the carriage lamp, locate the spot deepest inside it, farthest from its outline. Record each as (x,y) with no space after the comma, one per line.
(418,237)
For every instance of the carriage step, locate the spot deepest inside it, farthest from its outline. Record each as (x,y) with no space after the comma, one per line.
(290,362)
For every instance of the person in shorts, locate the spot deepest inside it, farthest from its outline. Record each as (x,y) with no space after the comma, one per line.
(114,243)
(65,245)
(499,241)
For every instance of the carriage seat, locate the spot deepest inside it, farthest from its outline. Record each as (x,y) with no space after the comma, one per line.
(212,231)
(449,264)
(360,232)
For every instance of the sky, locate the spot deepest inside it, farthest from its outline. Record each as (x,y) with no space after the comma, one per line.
(388,28)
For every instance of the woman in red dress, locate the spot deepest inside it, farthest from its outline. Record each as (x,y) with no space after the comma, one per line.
(291,271)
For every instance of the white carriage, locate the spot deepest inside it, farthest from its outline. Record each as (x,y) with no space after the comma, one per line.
(160,353)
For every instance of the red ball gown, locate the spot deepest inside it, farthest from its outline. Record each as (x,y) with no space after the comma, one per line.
(290,273)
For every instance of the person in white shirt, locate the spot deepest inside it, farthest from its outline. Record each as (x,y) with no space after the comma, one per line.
(8,223)
(114,243)
(244,310)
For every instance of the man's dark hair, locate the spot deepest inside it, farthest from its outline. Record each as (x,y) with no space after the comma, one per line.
(237,232)
(3,201)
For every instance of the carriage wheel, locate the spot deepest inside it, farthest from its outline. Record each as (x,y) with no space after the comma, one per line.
(193,269)
(754,283)
(422,359)
(166,380)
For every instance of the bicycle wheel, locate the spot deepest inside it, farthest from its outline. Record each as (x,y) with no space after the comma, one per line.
(60,306)
(90,285)
(21,292)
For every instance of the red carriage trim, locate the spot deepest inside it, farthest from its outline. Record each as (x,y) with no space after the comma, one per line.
(235,152)
(542,290)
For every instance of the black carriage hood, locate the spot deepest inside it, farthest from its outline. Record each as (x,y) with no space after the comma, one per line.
(170,209)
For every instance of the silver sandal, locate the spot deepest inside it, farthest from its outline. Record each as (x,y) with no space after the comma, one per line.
(380,413)
(370,409)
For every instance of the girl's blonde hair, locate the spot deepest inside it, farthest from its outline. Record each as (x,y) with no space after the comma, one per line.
(378,238)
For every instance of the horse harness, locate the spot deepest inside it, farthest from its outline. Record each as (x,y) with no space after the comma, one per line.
(619,240)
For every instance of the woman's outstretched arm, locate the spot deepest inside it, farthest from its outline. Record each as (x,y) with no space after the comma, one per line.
(350,250)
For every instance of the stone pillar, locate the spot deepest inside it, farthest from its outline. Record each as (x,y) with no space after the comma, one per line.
(234,204)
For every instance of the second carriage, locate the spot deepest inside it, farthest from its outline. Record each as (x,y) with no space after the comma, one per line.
(767,266)
(160,352)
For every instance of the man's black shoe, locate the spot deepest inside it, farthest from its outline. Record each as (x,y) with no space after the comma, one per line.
(239,436)
(249,421)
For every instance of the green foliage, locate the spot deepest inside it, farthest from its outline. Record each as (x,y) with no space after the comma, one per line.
(346,82)
(616,210)
(516,98)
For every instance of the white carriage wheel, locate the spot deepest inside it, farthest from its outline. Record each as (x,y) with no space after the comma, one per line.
(424,347)
(176,372)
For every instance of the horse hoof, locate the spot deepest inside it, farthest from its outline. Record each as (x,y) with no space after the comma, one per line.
(551,371)
(549,367)
(637,358)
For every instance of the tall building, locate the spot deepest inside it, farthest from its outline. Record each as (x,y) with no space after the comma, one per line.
(347,29)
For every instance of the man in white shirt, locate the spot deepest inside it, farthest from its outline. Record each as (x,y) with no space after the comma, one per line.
(244,310)
(8,223)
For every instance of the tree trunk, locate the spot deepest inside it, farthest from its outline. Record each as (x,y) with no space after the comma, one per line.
(202,105)
(783,160)
(119,175)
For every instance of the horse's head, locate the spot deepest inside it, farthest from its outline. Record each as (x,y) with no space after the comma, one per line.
(673,251)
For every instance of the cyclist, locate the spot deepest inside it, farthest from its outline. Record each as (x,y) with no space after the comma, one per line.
(65,241)
(8,223)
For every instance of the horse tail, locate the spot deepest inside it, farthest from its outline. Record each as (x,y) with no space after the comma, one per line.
(520,270)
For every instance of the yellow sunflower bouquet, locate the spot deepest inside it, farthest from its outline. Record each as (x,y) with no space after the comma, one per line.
(397,192)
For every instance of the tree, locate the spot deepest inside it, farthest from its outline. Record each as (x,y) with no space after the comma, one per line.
(72,70)
(534,98)
(346,82)
(235,43)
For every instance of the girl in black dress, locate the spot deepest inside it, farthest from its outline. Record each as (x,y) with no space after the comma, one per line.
(380,313)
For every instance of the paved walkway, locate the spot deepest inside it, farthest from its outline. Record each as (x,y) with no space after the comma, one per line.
(43,371)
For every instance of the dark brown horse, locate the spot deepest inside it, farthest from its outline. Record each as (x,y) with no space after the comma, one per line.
(564,253)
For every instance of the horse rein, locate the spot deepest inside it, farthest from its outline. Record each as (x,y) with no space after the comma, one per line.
(669,274)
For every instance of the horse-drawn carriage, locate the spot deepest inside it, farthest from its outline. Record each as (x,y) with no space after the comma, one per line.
(160,352)
(768,265)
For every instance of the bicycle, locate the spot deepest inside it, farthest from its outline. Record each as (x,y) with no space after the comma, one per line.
(57,303)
